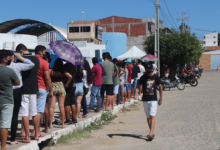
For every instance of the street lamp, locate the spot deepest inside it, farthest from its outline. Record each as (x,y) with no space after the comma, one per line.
(82,22)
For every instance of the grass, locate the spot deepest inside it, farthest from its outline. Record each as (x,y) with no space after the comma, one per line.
(84,133)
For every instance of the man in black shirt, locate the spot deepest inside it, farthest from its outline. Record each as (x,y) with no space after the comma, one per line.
(149,83)
(29,94)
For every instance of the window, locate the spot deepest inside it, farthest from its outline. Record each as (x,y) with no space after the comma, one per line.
(73,29)
(214,36)
(149,27)
(214,42)
(204,37)
(85,29)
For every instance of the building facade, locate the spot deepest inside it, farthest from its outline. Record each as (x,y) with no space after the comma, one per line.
(211,39)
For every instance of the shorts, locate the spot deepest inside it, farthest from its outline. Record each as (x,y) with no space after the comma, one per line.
(41,100)
(79,89)
(128,86)
(108,88)
(6,115)
(28,105)
(125,88)
(58,89)
(116,87)
(150,108)
(70,97)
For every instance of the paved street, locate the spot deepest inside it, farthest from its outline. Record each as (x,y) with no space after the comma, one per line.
(188,119)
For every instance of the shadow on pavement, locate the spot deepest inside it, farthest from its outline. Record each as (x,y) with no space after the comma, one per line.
(127,135)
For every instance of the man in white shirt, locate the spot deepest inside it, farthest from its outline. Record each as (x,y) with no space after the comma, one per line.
(142,70)
(155,67)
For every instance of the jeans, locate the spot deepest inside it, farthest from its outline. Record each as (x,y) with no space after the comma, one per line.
(135,84)
(84,102)
(95,92)
(79,89)
(118,96)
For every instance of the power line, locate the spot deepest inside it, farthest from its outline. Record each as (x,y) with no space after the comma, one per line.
(165,16)
(170,13)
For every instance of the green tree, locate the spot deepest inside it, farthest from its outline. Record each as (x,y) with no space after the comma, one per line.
(175,48)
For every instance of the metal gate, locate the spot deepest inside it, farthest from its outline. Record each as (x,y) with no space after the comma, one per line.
(215,61)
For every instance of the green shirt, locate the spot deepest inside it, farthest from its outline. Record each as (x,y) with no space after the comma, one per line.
(116,77)
(107,69)
(6,90)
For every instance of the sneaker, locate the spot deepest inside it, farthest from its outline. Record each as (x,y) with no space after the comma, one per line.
(67,122)
(74,121)
(97,110)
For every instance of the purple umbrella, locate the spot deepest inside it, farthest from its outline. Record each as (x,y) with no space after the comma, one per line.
(149,58)
(68,52)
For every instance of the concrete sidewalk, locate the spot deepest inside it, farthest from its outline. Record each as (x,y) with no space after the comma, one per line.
(58,131)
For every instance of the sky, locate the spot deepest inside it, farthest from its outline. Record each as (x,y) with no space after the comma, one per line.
(203,14)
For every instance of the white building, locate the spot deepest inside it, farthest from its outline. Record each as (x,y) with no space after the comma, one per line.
(211,39)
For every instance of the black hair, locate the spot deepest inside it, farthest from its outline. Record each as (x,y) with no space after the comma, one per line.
(123,64)
(4,54)
(115,61)
(89,72)
(94,60)
(139,61)
(21,47)
(79,71)
(70,68)
(48,57)
(105,56)
(58,65)
(39,48)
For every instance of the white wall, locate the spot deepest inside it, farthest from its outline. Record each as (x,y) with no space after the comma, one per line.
(211,39)
(10,41)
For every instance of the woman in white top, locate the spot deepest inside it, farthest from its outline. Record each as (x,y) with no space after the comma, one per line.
(87,80)
(18,68)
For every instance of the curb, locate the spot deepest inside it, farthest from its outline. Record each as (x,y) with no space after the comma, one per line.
(55,135)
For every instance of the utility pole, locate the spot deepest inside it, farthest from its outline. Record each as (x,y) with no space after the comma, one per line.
(183,26)
(156,33)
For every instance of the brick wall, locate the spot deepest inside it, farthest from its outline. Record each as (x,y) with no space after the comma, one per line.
(205,61)
(121,25)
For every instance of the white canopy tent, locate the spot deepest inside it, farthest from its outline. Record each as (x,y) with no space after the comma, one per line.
(133,53)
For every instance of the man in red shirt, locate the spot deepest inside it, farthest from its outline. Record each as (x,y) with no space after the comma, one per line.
(44,81)
(97,84)
(129,67)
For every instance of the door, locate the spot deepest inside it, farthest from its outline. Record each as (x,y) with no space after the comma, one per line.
(215,61)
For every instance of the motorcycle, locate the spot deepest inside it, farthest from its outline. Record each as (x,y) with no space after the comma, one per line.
(189,79)
(176,83)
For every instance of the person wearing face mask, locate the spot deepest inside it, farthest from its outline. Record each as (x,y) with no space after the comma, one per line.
(7,80)
(44,81)
(149,82)
(18,68)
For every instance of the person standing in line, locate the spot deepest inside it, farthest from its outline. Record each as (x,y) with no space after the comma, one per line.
(46,109)
(150,82)
(87,81)
(7,80)
(116,79)
(57,74)
(123,77)
(70,102)
(134,75)
(142,70)
(18,68)
(128,88)
(107,80)
(155,67)
(79,89)
(96,87)
(29,94)
(44,81)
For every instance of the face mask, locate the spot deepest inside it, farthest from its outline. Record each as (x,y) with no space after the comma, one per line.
(44,56)
(9,62)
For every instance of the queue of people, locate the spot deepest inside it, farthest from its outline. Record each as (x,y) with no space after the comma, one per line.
(29,88)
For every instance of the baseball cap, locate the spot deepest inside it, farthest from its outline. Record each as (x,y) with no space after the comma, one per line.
(133,61)
(128,61)
(148,67)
